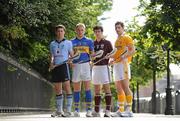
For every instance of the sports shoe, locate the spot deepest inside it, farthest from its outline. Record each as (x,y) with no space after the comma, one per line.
(89,113)
(76,114)
(95,114)
(107,113)
(68,114)
(58,114)
(127,114)
(116,114)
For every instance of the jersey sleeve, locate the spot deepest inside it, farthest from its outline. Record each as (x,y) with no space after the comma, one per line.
(129,40)
(91,45)
(70,49)
(110,48)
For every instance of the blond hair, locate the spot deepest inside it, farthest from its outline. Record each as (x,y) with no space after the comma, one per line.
(80,24)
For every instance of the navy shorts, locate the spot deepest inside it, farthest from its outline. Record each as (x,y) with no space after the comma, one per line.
(60,73)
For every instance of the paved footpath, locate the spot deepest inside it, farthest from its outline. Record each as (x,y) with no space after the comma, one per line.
(46,117)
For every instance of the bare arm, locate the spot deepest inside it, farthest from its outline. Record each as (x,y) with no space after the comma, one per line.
(92,53)
(130,51)
(71,53)
(51,58)
(51,61)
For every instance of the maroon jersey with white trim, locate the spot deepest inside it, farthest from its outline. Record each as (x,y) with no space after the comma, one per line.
(104,45)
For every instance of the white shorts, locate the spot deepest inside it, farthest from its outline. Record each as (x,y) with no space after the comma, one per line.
(100,75)
(81,72)
(121,71)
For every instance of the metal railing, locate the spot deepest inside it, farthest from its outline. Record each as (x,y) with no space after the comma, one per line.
(21,89)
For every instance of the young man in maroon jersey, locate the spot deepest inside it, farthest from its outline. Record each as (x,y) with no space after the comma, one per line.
(100,72)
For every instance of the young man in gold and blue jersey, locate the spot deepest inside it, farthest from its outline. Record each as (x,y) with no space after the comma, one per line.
(82,69)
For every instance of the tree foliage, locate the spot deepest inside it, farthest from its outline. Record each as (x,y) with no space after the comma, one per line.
(162,26)
(162,22)
(27,26)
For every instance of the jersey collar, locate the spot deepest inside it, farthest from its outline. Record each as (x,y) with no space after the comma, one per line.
(60,41)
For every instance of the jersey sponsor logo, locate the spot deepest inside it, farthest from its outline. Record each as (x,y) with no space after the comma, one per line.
(81,49)
(100,47)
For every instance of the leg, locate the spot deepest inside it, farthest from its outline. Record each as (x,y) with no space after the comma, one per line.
(77,88)
(67,87)
(59,97)
(125,84)
(58,88)
(97,98)
(121,95)
(87,85)
(57,80)
(69,98)
(108,96)
(86,77)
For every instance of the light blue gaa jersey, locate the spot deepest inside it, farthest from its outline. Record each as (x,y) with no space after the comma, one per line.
(83,46)
(60,50)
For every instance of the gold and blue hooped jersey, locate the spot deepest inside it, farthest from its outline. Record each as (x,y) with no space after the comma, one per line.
(60,50)
(83,46)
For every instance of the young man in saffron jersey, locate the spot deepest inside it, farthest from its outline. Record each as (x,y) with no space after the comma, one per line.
(100,73)
(121,70)
(60,49)
(81,69)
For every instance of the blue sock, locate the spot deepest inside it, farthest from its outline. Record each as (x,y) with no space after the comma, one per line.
(59,103)
(69,102)
(76,101)
(88,100)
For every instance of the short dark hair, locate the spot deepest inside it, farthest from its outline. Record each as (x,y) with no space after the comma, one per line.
(98,28)
(60,26)
(119,23)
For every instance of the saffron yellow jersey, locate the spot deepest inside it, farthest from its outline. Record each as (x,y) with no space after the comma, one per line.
(122,44)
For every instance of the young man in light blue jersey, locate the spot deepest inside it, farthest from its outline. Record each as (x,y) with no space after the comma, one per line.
(82,69)
(60,49)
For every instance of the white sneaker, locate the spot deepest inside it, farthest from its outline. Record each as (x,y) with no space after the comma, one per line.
(116,114)
(127,114)
(107,113)
(95,114)
(68,114)
(76,114)
(58,114)
(89,113)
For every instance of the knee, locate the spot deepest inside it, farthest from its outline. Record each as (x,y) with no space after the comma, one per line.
(68,90)
(119,88)
(58,90)
(97,91)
